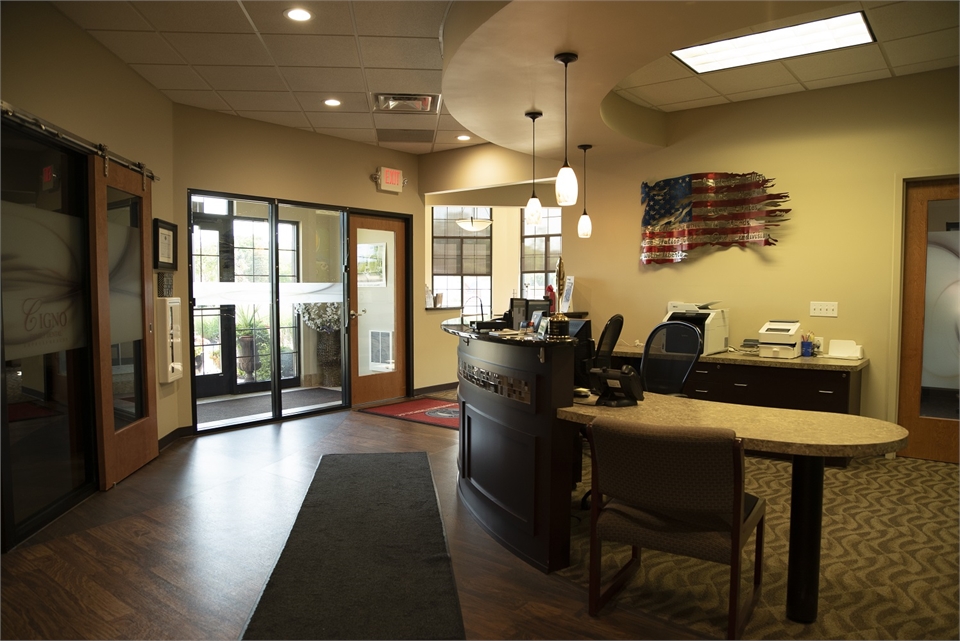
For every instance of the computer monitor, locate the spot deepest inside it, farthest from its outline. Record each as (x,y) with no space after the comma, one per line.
(518,312)
(582,351)
(537,305)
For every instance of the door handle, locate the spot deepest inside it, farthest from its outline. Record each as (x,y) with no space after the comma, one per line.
(354,314)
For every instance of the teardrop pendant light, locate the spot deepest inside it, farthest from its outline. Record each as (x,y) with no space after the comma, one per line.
(566,180)
(584,226)
(534,210)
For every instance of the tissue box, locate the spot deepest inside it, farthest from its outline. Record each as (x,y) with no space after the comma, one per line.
(845,349)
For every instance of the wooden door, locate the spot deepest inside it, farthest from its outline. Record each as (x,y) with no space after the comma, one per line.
(122,309)
(928,397)
(378,308)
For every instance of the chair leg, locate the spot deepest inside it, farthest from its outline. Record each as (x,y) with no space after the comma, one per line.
(593,598)
(620,579)
(733,613)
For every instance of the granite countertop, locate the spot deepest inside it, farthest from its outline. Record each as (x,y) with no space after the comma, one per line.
(741,358)
(763,429)
(455,327)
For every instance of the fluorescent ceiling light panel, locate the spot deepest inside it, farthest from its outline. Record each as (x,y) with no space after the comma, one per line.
(811,37)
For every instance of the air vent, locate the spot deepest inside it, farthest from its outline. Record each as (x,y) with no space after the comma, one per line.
(425,103)
(405,135)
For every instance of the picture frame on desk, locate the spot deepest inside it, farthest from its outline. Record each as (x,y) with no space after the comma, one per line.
(164,245)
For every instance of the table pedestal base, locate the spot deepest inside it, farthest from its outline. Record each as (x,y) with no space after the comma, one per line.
(806,515)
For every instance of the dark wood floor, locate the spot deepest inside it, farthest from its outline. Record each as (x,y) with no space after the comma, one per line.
(182,549)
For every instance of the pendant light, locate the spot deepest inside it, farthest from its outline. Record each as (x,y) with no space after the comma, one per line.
(566,179)
(474,224)
(584,226)
(534,210)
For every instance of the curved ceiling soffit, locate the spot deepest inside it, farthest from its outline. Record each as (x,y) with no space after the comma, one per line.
(498,64)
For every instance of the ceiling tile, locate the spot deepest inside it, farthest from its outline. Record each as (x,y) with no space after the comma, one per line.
(764,93)
(220,48)
(349,102)
(116,16)
(329,18)
(171,76)
(340,121)
(261,100)
(694,104)
(360,135)
(930,46)
(306,51)
(903,19)
(440,146)
(245,78)
(403,81)
(207,16)
(401,53)
(409,147)
(920,67)
(138,47)
(836,81)
(637,100)
(285,118)
(324,78)
(660,70)
(451,137)
(831,64)
(674,91)
(201,99)
(405,121)
(389,18)
(753,78)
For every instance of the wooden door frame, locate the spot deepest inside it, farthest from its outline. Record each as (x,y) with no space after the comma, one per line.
(120,452)
(408,342)
(910,345)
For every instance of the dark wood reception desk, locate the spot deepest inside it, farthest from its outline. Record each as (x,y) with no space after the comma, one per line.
(516,456)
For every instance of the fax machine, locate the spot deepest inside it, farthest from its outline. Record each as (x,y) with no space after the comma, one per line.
(780,339)
(712,323)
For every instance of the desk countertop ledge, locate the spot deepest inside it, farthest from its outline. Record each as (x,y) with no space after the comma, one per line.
(742,358)
(766,429)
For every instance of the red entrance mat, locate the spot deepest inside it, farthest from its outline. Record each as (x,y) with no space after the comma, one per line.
(422,410)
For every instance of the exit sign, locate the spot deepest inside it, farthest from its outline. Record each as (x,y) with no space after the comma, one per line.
(390,180)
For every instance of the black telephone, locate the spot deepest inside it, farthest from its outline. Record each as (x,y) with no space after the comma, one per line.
(617,387)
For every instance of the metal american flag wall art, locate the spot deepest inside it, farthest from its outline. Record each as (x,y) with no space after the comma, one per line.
(696,210)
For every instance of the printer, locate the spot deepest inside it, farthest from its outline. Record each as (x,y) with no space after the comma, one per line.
(780,339)
(712,323)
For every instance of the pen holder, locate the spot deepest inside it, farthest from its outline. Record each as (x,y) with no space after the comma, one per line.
(806,348)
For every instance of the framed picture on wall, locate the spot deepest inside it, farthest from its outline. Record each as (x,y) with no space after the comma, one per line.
(164,245)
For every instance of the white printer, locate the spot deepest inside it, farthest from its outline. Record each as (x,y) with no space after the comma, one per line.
(780,339)
(712,323)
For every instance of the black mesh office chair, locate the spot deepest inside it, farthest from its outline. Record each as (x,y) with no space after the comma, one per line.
(669,355)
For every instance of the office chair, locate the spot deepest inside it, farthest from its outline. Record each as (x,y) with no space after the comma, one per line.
(608,341)
(671,351)
(676,490)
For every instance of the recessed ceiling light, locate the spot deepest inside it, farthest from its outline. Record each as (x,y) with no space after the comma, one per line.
(463,137)
(332,102)
(300,15)
(811,37)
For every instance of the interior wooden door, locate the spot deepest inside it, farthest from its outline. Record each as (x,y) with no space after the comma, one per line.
(378,308)
(122,309)
(928,398)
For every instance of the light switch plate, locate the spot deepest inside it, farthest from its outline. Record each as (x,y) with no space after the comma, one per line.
(820,308)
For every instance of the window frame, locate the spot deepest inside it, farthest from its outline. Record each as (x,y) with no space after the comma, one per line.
(468,297)
(555,213)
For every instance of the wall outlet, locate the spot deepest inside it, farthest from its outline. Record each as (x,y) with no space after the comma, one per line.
(819,308)
(819,343)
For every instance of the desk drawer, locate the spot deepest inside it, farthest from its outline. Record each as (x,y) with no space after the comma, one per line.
(704,382)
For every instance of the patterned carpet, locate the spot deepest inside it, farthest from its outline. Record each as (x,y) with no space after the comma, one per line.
(888,562)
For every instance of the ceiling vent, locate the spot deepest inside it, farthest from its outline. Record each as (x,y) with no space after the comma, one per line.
(405,135)
(409,103)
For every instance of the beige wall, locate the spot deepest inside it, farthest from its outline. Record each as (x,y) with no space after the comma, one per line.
(841,153)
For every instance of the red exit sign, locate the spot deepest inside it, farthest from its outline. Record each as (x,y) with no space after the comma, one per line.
(390,180)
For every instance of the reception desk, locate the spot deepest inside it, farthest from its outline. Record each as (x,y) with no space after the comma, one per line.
(516,457)
(518,424)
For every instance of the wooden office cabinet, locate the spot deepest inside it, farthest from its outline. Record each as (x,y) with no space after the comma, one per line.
(770,386)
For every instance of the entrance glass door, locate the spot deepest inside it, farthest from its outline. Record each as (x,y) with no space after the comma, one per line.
(267,297)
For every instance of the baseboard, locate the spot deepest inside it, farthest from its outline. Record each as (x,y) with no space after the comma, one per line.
(180,432)
(433,389)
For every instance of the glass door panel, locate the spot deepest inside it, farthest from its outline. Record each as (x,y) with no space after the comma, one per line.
(310,266)
(48,438)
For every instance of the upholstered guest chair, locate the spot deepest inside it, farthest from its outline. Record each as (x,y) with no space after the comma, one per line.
(676,490)
(671,351)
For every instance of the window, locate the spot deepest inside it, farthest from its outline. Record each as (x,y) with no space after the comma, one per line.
(541,247)
(462,260)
